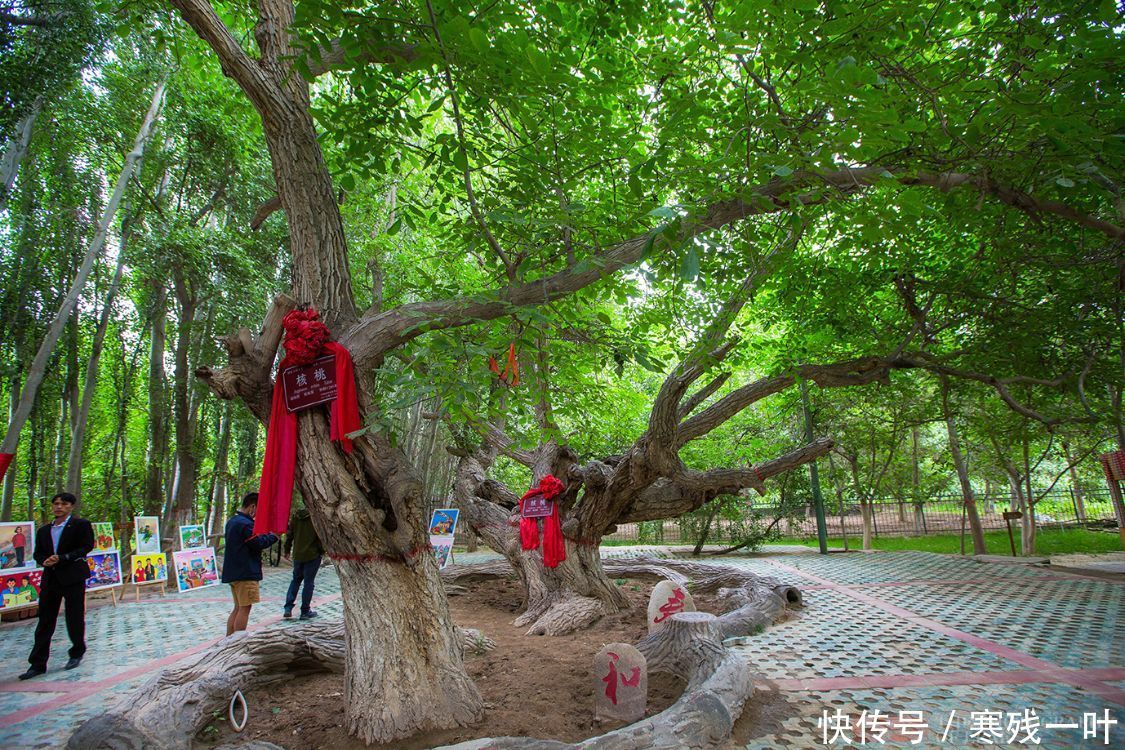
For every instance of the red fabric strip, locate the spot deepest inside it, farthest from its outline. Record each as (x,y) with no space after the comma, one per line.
(5,462)
(345,409)
(275,495)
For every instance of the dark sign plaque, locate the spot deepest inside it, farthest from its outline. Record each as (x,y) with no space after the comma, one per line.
(538,507)
(309,385)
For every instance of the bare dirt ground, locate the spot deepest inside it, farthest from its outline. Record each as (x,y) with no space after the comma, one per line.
(533,686)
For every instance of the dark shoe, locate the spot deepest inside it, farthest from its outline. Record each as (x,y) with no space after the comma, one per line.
(32,672)
(288,613)
(74,662)
(308,615)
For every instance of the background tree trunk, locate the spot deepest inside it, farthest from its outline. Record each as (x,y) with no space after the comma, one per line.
(78,435)
(967,497)
(157,409)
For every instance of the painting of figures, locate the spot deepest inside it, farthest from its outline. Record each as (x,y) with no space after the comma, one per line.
(17,541)
(18,590)
(105,570)
(195,568)
(149,568)
(147,540)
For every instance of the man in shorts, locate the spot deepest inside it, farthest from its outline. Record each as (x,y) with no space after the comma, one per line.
(242,562)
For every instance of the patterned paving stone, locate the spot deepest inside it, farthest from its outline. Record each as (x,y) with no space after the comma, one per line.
(845,633)
(885,567)
(1072,623)
(833,637)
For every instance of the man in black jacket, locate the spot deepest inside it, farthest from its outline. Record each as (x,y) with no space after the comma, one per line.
(60,549)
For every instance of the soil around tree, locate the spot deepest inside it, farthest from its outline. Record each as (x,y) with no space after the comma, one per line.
(533,686)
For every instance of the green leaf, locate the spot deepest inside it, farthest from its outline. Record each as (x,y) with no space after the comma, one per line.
(782,171)
(479,40)
(689,266)
(1065,182)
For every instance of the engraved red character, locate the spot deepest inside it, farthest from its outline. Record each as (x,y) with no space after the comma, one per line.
(610,680)
(674,604)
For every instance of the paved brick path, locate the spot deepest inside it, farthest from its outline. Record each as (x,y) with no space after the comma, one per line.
(887,632)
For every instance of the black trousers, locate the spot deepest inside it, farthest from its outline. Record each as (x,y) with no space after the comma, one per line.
(50,598)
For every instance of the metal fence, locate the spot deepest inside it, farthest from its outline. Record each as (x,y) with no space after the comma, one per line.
(889,517)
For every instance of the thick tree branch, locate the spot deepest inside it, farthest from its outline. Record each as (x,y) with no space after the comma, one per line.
(731,404)
(40,21)
(376,334)
(265,211)
(334,57)
(661,448)
(691,490)
(730,481)
(236,64)
(693,402)
(251,360)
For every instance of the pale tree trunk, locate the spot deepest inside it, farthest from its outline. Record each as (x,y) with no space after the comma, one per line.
(183,502)
(13,155)
(157,408)
(217,506)
(1029,526)
(915,480)
(78,435)
(1075,487)
(968,499)
(10,476)
(838,484)
(39,365)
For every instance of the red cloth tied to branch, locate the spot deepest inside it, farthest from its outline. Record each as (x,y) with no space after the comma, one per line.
(554,548)
(5,462)
(306,338)
(1113,464)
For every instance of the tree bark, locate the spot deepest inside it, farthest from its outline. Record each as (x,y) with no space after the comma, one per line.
(173,706)
(1075,486)
(967,497)
(154,494)
(183,504)
(17,147)
(39,364)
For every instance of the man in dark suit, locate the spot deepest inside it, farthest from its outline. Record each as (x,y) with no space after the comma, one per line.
(60,549)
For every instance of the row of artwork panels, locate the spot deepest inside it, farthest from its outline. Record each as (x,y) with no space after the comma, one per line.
(17,540)
(195,569)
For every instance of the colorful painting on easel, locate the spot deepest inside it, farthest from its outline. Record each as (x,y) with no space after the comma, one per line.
(20,589)
(17,544)
(104,540)
(105,570)
(195,568)
(149,568)
(192,537)
(147,539)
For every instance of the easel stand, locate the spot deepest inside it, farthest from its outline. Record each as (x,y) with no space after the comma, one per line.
(162,584)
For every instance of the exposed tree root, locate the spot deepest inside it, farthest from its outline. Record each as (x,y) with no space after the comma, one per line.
(690,645)
(562,614)
(167,711)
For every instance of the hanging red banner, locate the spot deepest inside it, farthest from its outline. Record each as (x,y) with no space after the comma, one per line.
(311,384)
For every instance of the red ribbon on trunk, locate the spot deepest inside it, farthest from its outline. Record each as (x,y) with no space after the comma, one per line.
(306,338)
(5,462)
(554,548)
